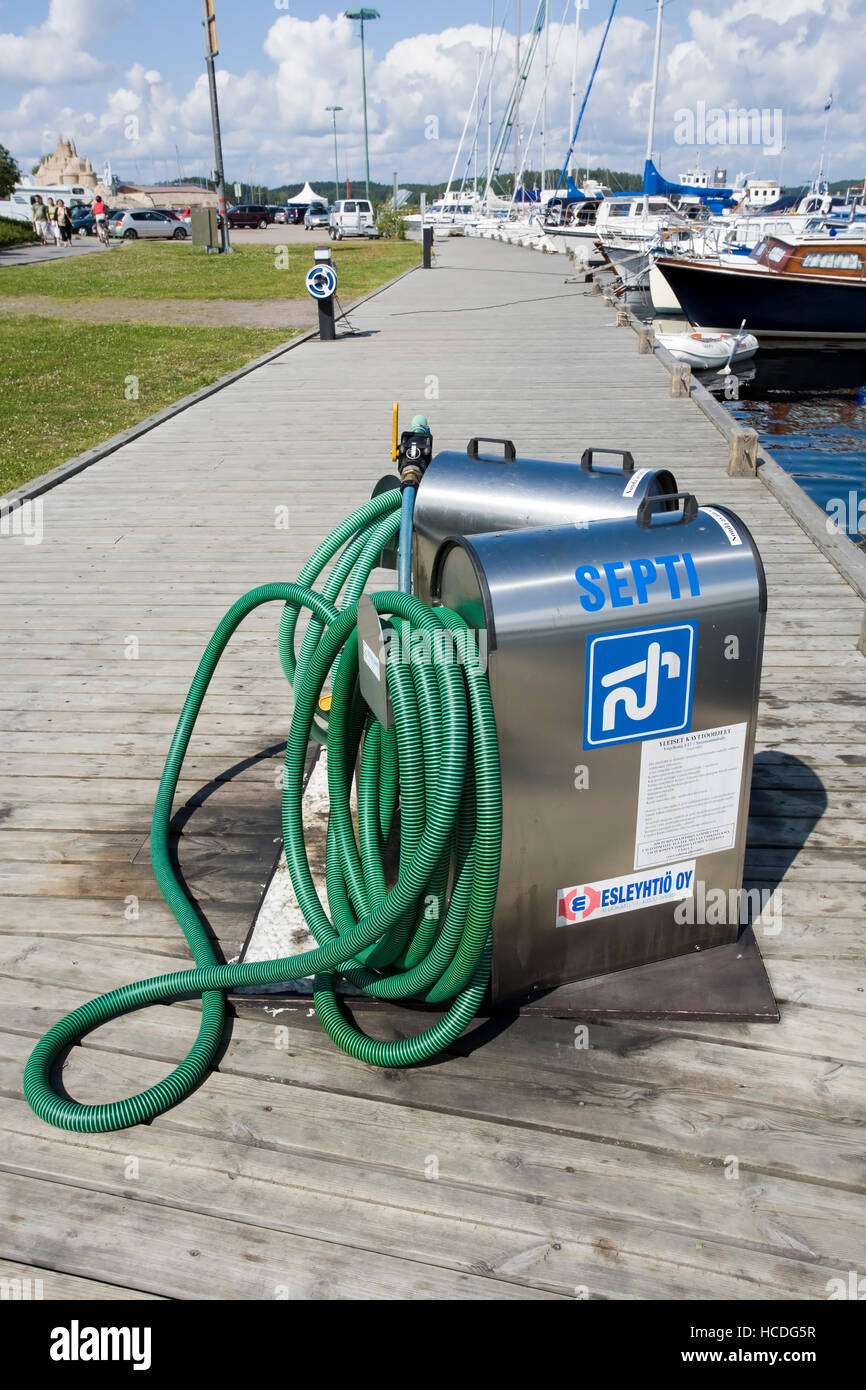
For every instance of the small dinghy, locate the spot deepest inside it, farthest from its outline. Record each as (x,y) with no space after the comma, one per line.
(709,351)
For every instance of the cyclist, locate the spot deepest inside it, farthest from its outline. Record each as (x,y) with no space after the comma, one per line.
(100,220)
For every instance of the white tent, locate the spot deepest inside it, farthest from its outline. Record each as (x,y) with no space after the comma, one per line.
(307,195)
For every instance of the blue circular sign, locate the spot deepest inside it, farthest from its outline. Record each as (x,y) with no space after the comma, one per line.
(322,281)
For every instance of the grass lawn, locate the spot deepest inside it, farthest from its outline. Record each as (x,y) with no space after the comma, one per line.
(63,385)
(174,270)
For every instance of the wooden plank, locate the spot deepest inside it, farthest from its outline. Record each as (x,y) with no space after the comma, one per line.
(31,1282)
(96,1235)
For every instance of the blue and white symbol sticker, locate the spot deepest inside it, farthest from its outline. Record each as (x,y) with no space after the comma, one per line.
(639,684)
(322,281)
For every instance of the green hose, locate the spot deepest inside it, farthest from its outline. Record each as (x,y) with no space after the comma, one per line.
(413,940)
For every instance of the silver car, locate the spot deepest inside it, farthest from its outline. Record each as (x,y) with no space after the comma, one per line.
(146,222)
(317,215)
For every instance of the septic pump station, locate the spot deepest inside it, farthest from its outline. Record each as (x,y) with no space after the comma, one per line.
(539,745)
(321,284)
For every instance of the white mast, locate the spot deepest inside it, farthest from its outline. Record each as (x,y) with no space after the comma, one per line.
(517,99)
(577,9)
(490,91)
(660,4)
(544,107)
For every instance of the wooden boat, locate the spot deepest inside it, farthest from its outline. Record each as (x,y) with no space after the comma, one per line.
(810,288)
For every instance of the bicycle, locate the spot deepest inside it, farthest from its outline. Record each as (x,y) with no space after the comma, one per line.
(102,230)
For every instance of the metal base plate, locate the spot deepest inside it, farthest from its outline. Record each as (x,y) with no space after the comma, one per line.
(728,983)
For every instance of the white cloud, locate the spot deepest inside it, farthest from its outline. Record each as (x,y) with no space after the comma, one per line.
(53,52)
(766,53)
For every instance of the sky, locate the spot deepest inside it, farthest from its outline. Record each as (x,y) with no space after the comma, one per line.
(125,79)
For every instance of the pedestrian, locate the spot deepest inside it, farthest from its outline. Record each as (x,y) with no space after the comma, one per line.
(100,219)
(64,224)
(39,219)
(53,229)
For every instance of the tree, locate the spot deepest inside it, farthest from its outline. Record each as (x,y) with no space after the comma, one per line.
(9,172)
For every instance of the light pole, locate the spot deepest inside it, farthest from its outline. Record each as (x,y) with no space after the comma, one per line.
(211,49)
(363,15)
(333,110)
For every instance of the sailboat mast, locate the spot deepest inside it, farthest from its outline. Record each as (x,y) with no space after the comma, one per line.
(544,106)
(490,93)
(573,107)
(517,99)
(660,4)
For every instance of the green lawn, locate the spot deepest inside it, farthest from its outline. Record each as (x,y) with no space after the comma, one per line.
(172,270)
(64,385)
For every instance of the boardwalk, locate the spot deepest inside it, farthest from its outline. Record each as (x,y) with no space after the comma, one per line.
(685,1161)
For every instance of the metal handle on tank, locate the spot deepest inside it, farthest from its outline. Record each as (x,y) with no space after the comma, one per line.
(627,460)
(688,513)
(510,451)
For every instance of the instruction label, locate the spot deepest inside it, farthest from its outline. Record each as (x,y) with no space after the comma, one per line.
(689,795)
(730,530)
(631,486)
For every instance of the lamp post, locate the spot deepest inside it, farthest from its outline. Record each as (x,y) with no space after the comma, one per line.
(333,110)
(363,15)
(211,49)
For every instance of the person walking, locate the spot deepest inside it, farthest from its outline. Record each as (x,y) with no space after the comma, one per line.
(53,229)
(64,224)
(39,218)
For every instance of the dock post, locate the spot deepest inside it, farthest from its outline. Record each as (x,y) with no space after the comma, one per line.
(427,240)
(743,455)
(681,379)
(645,339)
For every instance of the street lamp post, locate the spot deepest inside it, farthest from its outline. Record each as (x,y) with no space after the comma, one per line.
(211,49)
(333,110)
(363,15)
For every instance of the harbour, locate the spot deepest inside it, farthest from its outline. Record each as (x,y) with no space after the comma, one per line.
(558,1167)
(432,736)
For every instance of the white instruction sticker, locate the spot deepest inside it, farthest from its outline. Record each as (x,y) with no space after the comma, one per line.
(372,661)
(689,795)
(726,524)
(631,486)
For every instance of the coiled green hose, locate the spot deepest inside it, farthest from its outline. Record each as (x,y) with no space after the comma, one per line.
(412,940)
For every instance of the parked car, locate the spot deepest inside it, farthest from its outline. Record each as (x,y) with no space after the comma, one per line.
(83,223)
(177,215)
(249,215)
(278,212)
(145,222)
(295,213)
(317,215)
(352,217)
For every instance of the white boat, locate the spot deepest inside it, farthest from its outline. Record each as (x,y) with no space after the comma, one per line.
(708,351)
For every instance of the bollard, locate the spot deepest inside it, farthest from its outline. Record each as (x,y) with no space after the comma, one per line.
(322,286)
(645,339)
(427,241)
(743,455)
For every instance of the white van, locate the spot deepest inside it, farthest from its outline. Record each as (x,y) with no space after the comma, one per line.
(17,205)
(352,217)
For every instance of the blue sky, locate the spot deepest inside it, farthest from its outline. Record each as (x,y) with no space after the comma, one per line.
(100,69)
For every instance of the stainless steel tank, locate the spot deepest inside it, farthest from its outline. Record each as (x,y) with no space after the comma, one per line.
(624,661)
(462,494)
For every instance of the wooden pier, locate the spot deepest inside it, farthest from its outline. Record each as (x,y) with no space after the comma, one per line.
(669,1160)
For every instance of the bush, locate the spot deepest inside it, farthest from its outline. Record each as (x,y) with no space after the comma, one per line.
(391,222)
(14,233)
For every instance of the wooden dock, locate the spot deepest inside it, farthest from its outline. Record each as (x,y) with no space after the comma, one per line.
(675,1161)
